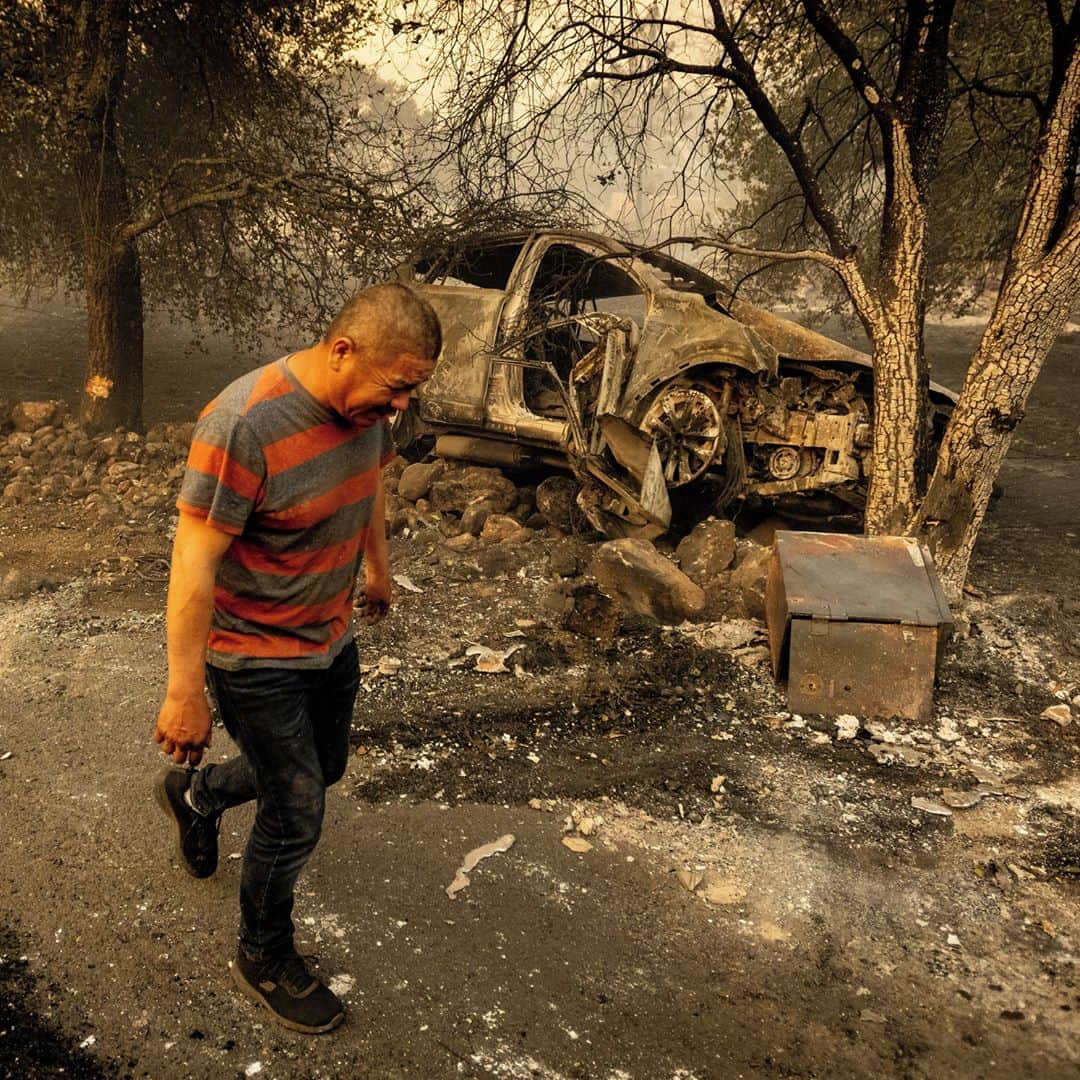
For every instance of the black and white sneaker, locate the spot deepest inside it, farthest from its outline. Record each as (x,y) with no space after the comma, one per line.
(295,997)
(197,840)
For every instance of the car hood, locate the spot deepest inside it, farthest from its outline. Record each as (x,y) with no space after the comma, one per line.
(685,331)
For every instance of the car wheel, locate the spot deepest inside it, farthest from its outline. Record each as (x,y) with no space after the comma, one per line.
(688,430)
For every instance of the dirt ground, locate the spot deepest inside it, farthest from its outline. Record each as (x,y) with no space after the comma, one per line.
(833,929)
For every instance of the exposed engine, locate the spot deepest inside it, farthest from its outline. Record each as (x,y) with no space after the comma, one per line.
(811,431)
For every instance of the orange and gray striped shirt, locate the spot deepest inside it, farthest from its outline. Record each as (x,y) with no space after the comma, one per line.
(295,483)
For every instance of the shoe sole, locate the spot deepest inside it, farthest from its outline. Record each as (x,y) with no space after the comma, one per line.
(251,992)
(162,798)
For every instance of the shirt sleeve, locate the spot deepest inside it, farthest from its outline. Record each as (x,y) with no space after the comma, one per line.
(389,448)
(223,482)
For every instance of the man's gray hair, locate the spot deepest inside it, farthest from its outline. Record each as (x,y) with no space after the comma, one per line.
(390,318)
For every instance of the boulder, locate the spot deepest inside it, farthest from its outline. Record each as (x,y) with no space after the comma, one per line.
(638,578)
(462,542)
(31,415)
(475,516)
(748,579)
(19,442)
(415,480)
(499,527)
(707,551)
(392,474)
(564,558)
(556,499)
(18,491)
(498,560)
(460,488)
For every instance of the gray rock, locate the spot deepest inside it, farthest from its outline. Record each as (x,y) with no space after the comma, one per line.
(748,579)
(556,500)
(496,560)
(392,474)
(638,578)
(31,415)
(499,527)
(557,601)
(707,551)
(563,559)
(475,516)
(459,488)
(462,542)
(108,446)
(416,480)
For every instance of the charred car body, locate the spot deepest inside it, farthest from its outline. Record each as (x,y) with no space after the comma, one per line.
(628,365)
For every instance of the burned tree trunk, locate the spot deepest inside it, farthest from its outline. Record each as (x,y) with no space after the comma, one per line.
(912,124)
(96,47)
(900,383)
(1041,285)
(1030,312)
(893,317)
(112,389)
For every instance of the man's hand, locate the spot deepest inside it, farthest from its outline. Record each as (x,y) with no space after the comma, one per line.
(183,727)
(375,602)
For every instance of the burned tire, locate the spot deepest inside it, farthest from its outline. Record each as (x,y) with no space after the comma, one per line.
(685,423)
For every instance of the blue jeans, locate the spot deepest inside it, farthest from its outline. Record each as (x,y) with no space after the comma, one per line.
(292,727)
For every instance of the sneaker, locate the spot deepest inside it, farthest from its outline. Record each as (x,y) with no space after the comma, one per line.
(290,992)
(198,835)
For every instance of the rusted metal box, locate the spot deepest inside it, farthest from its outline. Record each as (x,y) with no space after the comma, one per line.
(856,624)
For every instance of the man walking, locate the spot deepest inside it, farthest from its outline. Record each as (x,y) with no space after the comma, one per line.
(281,503)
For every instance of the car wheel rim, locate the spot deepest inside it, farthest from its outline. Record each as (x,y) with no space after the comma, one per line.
(686,427)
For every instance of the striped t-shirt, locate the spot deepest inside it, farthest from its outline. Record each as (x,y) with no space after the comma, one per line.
(294,483)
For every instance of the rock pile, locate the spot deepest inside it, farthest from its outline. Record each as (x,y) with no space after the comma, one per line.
(465,501)
(480,510)
(117,476)
(477,513)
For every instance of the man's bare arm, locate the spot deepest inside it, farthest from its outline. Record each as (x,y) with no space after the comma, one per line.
(377,559)
(183,724)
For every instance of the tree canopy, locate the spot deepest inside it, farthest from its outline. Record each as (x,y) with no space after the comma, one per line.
(231,160)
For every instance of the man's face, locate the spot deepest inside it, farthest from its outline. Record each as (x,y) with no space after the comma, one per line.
(367,389)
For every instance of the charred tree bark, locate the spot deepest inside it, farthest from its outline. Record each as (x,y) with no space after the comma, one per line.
(113,387)
(95,43)
(911,120)
(913,126)
(901,375)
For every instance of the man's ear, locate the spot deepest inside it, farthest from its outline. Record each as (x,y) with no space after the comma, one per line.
(340,348)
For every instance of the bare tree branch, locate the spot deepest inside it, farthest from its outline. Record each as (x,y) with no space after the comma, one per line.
(858,70)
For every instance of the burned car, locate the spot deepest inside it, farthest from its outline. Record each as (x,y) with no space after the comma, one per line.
(630,368)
